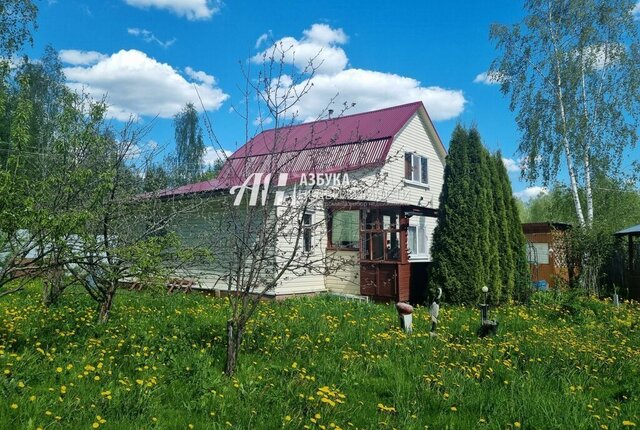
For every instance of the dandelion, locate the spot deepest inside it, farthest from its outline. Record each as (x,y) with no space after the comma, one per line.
(388,409)
(14,406)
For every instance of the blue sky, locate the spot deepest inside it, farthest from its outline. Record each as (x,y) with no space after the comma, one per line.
(148,54)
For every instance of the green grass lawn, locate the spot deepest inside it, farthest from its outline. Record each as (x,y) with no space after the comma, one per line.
(315,363)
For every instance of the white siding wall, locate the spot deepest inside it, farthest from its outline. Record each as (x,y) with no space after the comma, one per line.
(414,138)
(300,281)
(344,278)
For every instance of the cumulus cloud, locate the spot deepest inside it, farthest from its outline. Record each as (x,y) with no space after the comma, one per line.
(530,193)
(371,90)
(489,78)
(137,85)
(200,76)
(149,37)
(212,155)
(512,165)
(80,58)
(318,45)
(190,9)
(368,89)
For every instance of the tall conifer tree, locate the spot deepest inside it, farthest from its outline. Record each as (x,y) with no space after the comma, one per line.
(478,241)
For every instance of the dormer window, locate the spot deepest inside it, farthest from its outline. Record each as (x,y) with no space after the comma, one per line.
(416,168)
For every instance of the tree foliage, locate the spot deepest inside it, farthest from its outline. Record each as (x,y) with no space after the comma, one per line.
(570,68)
(190,147)
(478,240)
(17,19)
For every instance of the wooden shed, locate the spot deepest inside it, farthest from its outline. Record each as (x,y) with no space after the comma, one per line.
(631,277)
(546,252)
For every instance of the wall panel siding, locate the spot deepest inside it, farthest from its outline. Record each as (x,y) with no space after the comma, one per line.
(344,278)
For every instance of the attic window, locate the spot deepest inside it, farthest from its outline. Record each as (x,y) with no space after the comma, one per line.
(416,168)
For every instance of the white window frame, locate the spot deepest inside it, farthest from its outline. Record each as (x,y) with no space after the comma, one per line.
(304,227)
(421,237)
(416,170)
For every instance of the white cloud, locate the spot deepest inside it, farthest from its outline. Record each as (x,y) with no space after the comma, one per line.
(263,38)
(371,90)
(531,192)
(368,89)
(512,165)
(149,37)
(636,11)
(200,76)
(489,78)
(212,155)
(135,84)
(190,9)
(318,45)
(605,54)
(325,35)
(262,122)
(78,58)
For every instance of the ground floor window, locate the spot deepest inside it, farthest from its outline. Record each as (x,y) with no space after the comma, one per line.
(344,230)
(417,238)
(307,236)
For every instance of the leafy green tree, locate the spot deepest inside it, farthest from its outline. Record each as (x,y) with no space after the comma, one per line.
(190,146)
(17,19)
(46,88)
(571,70)
(155,178)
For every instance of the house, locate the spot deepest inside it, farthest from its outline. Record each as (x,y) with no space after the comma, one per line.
(546,253)
(381,230)
(631,274)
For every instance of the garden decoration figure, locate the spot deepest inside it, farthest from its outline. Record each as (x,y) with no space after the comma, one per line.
(434,310)
(487,326)
(405,311)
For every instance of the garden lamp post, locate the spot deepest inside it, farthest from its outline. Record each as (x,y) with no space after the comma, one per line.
(487,326)
(484,307)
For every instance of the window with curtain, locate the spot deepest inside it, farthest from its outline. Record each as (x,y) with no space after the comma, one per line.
(345,229)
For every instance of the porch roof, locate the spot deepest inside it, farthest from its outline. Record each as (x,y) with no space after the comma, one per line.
(631,231)
(408,209)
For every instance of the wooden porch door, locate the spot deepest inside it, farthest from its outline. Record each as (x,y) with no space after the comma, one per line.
(383,254)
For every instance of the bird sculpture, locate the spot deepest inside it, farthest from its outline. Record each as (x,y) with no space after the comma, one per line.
(434,311)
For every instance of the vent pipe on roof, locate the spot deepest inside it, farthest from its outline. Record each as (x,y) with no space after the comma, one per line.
(330,113)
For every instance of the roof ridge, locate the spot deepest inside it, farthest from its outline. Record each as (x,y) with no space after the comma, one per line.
(337,118)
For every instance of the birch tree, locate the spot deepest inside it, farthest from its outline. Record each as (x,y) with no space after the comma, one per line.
(571,70)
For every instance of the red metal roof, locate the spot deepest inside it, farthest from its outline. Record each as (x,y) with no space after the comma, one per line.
(328,146)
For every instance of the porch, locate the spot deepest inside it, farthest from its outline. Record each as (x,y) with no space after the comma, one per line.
(392,252)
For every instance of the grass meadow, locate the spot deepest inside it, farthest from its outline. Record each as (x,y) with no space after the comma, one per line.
(316,363)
